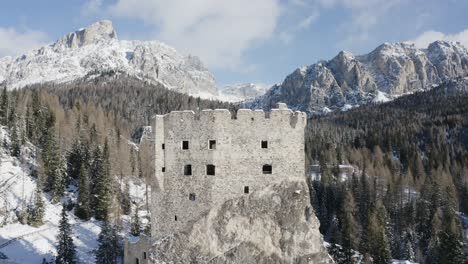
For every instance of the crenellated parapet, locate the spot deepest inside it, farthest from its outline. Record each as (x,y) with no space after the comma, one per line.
(278,116)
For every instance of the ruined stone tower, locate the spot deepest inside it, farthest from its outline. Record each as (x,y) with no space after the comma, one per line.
(251,163)
(205,159)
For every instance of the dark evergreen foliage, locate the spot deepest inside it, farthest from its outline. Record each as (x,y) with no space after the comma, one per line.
(66,251)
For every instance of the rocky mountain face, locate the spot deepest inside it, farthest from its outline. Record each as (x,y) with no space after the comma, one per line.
(244,91)
(273,225)
(96,50)
(388,71)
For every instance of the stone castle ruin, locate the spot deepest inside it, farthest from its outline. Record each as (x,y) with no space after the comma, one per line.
(203,160)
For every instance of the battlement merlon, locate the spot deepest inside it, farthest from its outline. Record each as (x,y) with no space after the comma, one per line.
(282,114)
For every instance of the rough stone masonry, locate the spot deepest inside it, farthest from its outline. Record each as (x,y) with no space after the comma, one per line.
(230,189)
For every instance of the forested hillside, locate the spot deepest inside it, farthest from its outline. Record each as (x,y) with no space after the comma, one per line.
(80,139)
(404,201)
(412,179)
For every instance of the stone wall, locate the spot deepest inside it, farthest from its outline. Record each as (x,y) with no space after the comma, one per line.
(238,160)
(137,251)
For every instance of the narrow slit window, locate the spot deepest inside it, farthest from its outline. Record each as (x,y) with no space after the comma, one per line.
(185,144)
(137,261)
(162,146)
(267,169)
(144,255)
(192,197)
(246,189)
(175,217)
(264,144)
(212,144)
(210,169)
(163,169)
(188,170)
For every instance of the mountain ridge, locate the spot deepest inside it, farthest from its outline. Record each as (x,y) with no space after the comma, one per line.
(97,49)
(347,80)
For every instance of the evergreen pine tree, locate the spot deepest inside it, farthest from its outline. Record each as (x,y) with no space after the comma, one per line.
(4,107)
(349,229)
(54,168)
(136,225)
(378,244)
(107,250)
(66,252)
(125,200)
(83,210)
(36,214)
(102,190)
(15,144)
(450,248)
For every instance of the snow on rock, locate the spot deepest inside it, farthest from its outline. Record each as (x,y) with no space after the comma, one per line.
(95,50)
(242,92)
(381,97)
(389,71)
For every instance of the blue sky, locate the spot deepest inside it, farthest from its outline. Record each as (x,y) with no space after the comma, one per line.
(243,40)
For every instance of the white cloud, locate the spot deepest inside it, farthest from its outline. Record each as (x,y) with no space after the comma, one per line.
(287,36)
(217,31)
(423,40)
(306,22)
(91,7)
(14,42)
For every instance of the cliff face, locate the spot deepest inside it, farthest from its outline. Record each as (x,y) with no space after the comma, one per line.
(392,69)
(273,225)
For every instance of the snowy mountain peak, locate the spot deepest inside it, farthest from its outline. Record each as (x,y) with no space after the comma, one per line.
(244,91)
(93,34)
(390,70)
(95,51)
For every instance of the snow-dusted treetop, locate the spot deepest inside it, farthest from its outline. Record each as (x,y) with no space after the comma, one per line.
(94,50)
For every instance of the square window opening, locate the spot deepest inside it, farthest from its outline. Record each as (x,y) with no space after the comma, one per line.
(185,144)
(212,144)
(188,170)
(210,169)
(163,169)
(264,144)
(246,189)
(192,197)
(267,169)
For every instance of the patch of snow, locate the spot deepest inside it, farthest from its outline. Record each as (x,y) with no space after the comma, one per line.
(346,107)
(381,97)
(26,244)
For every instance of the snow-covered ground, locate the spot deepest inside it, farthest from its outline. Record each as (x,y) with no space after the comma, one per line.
(26,244)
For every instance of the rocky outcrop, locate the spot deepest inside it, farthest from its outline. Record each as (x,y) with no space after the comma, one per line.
(390,70)
(97,32)
(273,225)
(96,51)
(244,91)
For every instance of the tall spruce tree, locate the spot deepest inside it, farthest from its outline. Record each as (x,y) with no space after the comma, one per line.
(66,252)
(4,107)
(378,244)
(83,210)
(15,143)
(37,211)
(108,246)
(102,189)
(349,229)
(54,168)
(136,224)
